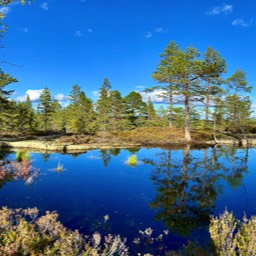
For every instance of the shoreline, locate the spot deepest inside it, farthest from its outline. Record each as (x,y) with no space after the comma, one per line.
(52,146)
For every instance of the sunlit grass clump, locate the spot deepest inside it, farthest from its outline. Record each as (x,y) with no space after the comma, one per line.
(22,156)
(132,161)
(59,167)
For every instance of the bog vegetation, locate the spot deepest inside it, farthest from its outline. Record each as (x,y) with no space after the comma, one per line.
(25,232)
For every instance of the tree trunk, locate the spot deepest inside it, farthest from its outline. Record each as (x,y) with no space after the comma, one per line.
(207,103)
(170,116)
(187,117)
(214,128)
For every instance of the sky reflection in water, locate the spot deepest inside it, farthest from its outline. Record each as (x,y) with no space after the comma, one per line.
(169,189)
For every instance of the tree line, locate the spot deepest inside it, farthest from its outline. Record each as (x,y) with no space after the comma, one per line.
(197,94)
(114,113)
(191,83)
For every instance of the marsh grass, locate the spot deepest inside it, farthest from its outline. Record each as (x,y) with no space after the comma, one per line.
(22,156)
(59,167)
(132,161)
(164,136)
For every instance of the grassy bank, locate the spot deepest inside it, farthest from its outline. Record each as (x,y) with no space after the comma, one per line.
(152,137)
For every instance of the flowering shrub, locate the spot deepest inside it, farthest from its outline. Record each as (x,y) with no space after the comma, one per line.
(22,170)
(232,237)
(22,232)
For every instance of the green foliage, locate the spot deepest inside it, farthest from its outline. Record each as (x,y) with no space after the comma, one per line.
(237,82)
(80,117)
(152,117)
(118,118)
(237,110)
(135,108)
(212,69)
(232,237)
(237,104)
(5,79)
(25,116)
(45,107)
(132,161)
(246,237)
(22,155)
(103,105)
(165,74)
(8,111)
(222,230)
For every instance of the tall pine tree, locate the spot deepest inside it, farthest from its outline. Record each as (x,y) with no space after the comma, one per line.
(103,106)
(45,107)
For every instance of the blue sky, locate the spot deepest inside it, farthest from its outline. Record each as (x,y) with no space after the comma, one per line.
(61,43)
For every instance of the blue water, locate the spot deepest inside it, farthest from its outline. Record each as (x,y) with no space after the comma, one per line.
(175,190)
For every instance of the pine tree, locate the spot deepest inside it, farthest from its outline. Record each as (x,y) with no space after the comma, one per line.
(238,86)
(152,118)
(58,118)
(187,69)
(135,108)
(81,118)
(45,107)
(213,67)
(237,110)
(103,105)
(5,79)
(118,119)
(25,115)
(165,74)
(7,107)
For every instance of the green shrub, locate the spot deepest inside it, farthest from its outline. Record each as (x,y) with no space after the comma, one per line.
(232,237)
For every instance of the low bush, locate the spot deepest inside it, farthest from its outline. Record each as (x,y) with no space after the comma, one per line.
(75,139)
(233,237)
(22,232)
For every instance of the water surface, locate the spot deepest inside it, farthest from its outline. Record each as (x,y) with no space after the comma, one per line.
(169,189)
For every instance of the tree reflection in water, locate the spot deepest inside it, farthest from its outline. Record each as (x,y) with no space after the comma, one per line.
(187,189)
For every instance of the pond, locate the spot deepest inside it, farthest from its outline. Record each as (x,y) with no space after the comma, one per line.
(172,191)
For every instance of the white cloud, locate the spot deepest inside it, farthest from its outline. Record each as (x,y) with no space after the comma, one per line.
(242,23)
(4,10)
(89,30)
(140,87)
(34,95)
(95,93)
(78,33)
(156,96)
(44,6)
(148,34)
(161,30)
(225,9)
(60,97)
